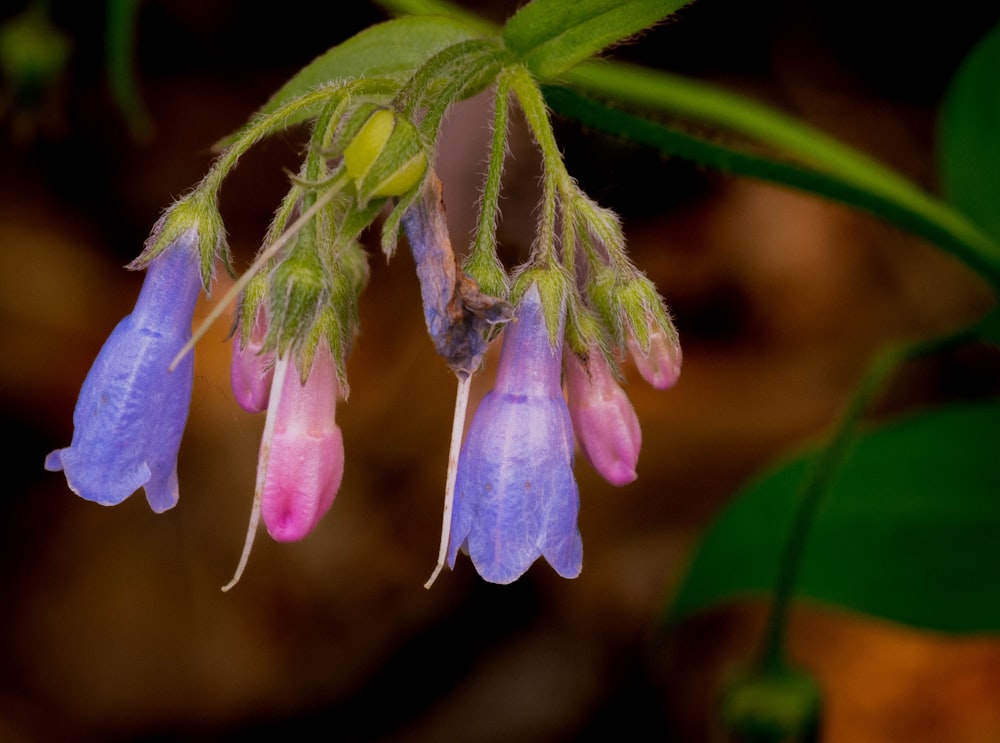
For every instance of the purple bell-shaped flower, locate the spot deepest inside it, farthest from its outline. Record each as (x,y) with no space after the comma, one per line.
(515,495)
(132,409)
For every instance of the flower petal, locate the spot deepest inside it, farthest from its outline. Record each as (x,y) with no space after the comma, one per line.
(131,412)
(515,496)
(304,457)
(604,420)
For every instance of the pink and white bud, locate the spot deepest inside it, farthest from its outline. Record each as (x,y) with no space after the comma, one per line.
(251,370)
(604,420)
(660,364)
(304,453)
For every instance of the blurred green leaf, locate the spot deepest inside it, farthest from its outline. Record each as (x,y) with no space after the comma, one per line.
(989,327)
(34,56)
(767,143)
(122,18)
(393,49)
(969,147)
(909,530)
(550,36)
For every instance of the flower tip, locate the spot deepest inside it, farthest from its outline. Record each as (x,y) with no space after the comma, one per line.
(669,370)
(619,474)
(291,514)
(53,461)
(162,495)
(660,365)
(251,368)
(287,525)
(302,481)
(250,379)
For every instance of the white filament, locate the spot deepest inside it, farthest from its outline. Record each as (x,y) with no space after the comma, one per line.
(277,384)
(457,429)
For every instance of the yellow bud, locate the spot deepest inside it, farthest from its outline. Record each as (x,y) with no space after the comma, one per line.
(405,178)
(362,151)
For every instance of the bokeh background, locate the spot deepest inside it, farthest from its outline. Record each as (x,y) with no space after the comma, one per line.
(112,624)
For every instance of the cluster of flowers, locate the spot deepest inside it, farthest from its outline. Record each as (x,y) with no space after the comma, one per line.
(566,317)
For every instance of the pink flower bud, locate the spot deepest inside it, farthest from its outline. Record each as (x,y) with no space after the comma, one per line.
(604,421)
(660,364)
(304,454)
(251,371)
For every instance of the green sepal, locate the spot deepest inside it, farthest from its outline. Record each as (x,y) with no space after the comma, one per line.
(554,286)
(298,290)
(584,330)
(338,323)
(629,303)
(643,309)
(199,211)
(602,291)
(485,267)
(249,301)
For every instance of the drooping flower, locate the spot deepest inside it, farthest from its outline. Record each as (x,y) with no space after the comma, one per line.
(131,412)
(252,369)
(604,420)
(302,451)
(515,496)
(660,363)
(457,313)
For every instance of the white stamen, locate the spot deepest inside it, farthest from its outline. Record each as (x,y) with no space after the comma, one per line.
(280,369)
(457,429)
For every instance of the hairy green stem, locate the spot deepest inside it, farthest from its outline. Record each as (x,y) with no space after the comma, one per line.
(266,125)
(529,96)
(483,263)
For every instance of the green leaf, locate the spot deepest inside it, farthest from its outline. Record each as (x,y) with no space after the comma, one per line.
(801,155)
(970,136)
(393,49)
(438,7)
(550,36)
(908,532)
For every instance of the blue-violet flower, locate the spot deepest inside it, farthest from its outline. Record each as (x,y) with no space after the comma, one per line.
(131,412)
(515,496)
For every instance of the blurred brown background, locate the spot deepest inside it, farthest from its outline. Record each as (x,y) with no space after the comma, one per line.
(112,625)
